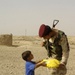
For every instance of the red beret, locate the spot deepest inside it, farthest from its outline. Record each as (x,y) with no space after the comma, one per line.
(44,30)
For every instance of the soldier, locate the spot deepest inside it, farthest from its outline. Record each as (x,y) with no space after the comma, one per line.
(56,44)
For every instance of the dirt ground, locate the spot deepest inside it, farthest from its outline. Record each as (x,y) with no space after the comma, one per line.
(11,62)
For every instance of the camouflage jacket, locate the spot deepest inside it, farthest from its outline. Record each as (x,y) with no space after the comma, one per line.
(58,47)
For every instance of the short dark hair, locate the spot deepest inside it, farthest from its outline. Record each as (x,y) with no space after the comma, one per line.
(26,54)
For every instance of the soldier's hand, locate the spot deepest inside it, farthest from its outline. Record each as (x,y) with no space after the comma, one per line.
(62,66)
(42,44)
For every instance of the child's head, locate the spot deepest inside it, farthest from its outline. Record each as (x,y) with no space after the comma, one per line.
(27,55)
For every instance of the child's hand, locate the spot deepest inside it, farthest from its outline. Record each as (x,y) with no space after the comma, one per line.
(43,63)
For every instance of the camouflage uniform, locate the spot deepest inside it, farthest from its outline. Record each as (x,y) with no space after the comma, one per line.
(58,47)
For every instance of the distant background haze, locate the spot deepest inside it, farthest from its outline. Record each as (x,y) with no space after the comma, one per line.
(24,17)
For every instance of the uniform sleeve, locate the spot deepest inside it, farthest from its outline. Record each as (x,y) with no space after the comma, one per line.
(65,49)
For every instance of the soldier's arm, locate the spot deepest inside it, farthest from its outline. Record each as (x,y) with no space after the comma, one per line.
(65,49)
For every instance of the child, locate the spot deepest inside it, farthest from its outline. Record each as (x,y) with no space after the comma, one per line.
(31,65)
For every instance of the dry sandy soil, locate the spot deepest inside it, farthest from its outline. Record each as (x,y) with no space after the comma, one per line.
(11,62)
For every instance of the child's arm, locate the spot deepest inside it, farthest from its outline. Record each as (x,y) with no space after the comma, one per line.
(40,63)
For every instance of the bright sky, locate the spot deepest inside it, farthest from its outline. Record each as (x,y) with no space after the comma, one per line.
(24,17)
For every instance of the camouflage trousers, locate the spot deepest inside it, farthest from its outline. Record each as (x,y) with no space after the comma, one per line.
(56,71)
